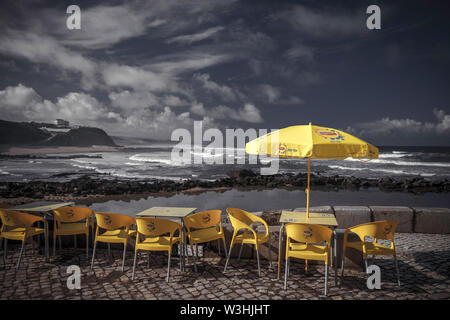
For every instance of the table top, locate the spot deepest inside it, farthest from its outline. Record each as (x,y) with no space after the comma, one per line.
(326,219)
(41,206)
(173,212)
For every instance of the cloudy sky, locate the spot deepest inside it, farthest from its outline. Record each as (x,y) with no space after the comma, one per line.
(145,68)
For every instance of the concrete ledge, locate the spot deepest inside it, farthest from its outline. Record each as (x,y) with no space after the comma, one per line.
(432,220)
(403,215)
(350,216)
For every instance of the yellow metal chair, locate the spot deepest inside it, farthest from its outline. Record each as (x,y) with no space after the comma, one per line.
(72,221)
(159,235)
(204,227)
(378,230)
(18,226)
(242,220)
(307,245)
(117,229)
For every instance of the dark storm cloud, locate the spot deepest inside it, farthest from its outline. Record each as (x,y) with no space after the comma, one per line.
(145,68)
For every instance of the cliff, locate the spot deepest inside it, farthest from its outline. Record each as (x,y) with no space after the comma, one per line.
(22,133)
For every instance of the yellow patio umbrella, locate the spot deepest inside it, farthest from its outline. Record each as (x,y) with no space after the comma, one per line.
(312,142)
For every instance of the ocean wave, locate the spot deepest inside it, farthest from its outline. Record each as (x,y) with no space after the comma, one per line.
(151,159)
(394,155)
(405,163)
(83,166)
(133,164)
(382,170)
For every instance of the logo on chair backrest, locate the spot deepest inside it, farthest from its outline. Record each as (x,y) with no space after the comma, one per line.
(307,233)
(387,230)
(151,226)
(206,218)
(107,220)
(70,213)
(6,216)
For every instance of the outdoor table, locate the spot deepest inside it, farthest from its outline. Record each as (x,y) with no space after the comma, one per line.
(43,208)
(326,219)
(171,212)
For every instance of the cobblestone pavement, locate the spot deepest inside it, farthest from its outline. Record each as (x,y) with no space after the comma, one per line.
(424,262)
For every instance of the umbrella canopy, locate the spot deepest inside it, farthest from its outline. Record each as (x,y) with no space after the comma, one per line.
(312,142)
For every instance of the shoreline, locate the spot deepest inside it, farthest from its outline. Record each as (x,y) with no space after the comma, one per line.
(88,190)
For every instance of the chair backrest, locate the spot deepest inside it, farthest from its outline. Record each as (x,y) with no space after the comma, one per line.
(203,219)
(113,221)
(72,214)
(13,218)
(379,230)
(238,216)
(154,227)
(308,233)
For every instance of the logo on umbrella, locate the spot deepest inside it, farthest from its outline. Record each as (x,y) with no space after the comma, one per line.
(282,148)
(330,134)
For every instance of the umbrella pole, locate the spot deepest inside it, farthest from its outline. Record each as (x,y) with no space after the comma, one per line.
(307,189)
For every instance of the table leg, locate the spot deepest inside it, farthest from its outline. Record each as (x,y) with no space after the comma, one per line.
(279,249)
(335,256)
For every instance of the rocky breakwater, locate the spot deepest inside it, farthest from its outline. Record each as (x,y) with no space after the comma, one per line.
(87,186)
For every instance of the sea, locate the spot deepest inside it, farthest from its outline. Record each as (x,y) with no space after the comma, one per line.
(146,161)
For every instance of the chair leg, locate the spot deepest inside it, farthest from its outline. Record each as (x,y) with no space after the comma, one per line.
(326,278)
(124,255)
(109,251)
(148,260)
(54,246)
(342,266)
(240,251)
(60,243)
(87,245)
(5,253)
(75,241)
(270,255)
(289,267)
(225,247)
(93,255)
(134,265)
(259,266)
(181,265)
(168,266)
(228,258)
(218,246)
(195,259)
(286,273)
(32,245)
(365,263)
(398,272)
(21,253)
